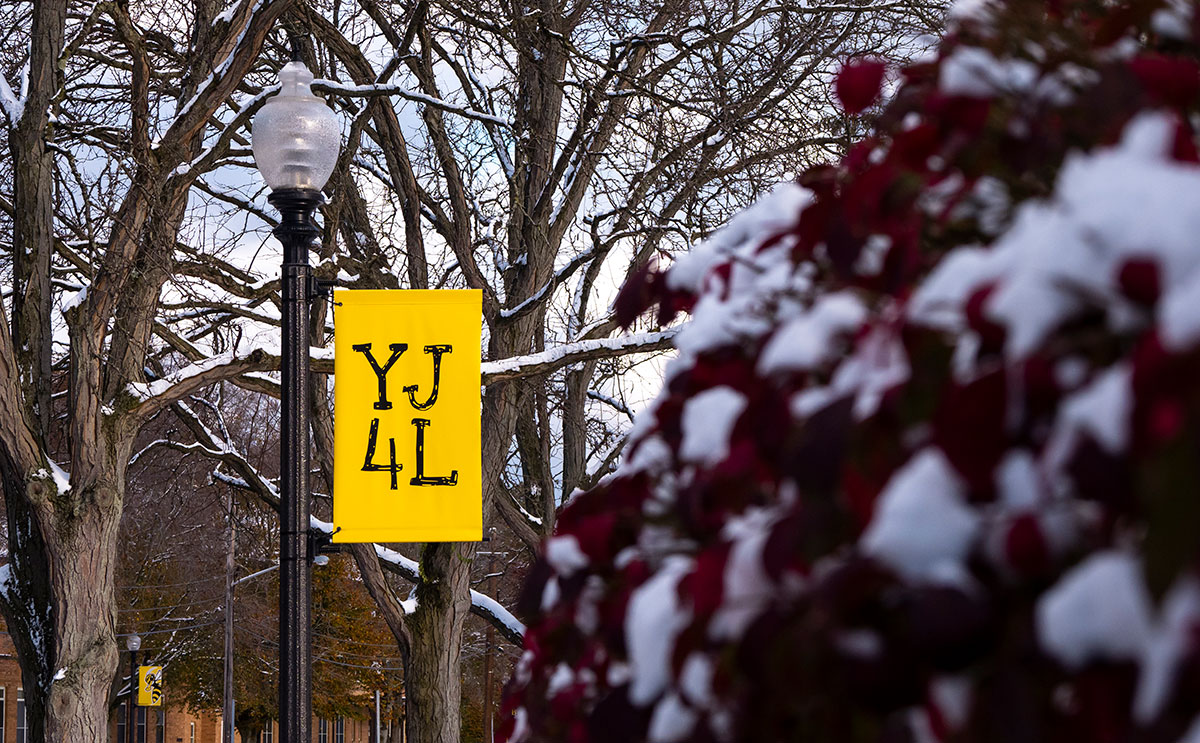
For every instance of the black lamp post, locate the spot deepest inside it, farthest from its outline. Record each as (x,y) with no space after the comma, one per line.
(295,138)
(132,643)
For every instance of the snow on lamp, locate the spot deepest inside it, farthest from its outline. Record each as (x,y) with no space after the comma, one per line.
(295,136)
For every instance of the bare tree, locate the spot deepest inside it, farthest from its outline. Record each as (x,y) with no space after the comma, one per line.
(539,151)
(62,520)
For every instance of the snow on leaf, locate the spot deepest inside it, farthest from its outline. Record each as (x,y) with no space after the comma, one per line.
(972,71)
(1100,410)
(695,680)
(1170,641)
(922,523)
(672,720)
(564,555)
(708,420)
(1099,611)
(773,214)
(807,341)
(654,618)
(746,585)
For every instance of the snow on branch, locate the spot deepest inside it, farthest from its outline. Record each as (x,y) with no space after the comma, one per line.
(222,449)
(221,82)
(12,103)
(572,353)
(489,609)
(387,89)
(535,299)
(212,151)
(249,478)
(177,446)
(483,606)
(153,396)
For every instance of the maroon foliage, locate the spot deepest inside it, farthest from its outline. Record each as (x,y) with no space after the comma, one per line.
(926,467)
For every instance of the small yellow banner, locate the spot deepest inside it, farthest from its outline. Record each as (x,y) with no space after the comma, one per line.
(150,692)
(407,454)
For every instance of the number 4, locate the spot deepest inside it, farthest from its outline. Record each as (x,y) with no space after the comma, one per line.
(369,466)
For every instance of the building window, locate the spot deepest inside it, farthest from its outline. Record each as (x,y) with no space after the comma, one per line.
(339,730)
(322,730)
(191,732)
(1,713)
(121,716)
(20,716)
(141,725)
(268,733)
(160,725)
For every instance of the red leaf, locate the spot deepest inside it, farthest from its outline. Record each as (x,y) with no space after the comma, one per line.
(635,296)
(1025,546)
(594,535)
(990,333)
(970,427)
(913,147)
(858,85)
(706,584)
(1173,81)
(1184,147)
(1166,420)
(1139,280)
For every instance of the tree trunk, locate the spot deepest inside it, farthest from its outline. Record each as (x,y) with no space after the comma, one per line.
(59,606)
(27,601)
(432,679)
(574,432)
(82,577)
(33,213)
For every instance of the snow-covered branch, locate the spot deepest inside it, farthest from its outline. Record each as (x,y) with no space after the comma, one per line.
(481,605)
(535,300)
(573,353)
(386,89)
(12,103)
(153,396)
(223,450)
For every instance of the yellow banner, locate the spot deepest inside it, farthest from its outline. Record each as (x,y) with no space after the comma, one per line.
(150,693)
(406,416)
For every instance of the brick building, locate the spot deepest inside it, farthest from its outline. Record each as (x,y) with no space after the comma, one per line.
(166,724)
(174,725)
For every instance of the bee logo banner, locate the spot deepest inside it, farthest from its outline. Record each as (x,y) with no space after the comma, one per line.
(150,686)
(407,446)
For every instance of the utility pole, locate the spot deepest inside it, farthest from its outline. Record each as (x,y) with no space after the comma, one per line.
(231,534)
(488,717)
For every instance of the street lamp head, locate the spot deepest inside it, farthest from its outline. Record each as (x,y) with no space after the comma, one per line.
(295,136)
(132,643)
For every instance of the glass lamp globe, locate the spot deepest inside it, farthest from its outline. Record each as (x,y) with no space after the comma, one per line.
(295,136)
(133,642)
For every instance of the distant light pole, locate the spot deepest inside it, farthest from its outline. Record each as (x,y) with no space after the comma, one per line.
(227,711)
(489,719)
(132,644)
(295,138)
